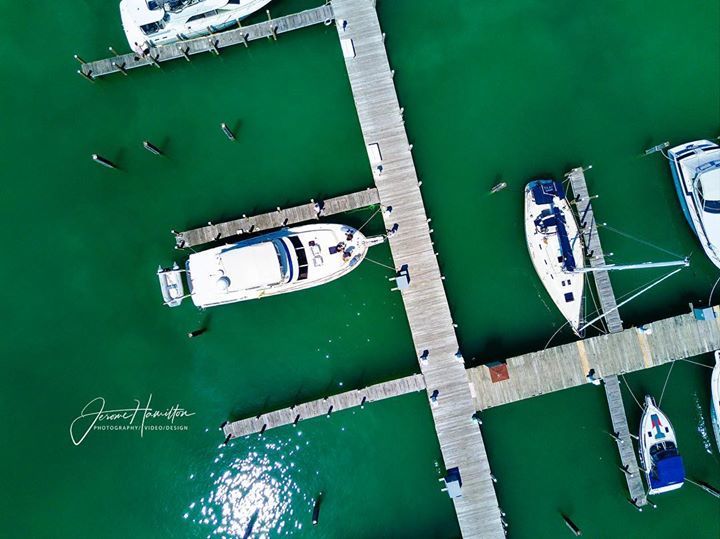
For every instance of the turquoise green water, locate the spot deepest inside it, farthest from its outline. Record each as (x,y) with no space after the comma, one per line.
(511,92)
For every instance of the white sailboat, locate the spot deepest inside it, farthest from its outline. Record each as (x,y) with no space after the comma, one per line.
(555,250)
(696,172)
(659,457)
(283,261)
(558,254)
(148,23)
(715,396)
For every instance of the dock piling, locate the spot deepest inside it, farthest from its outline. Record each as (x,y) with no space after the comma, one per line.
(149,146)
(572,526)
(103,161)
(225,129)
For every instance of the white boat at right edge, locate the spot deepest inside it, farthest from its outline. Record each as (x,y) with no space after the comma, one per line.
(715,397)
(696,172)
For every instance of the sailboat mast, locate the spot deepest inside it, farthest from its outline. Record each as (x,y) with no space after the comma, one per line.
(651,285)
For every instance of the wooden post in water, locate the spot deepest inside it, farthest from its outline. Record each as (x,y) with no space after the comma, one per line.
(225,129)
(149,146)
(184,51)
(102,161)
(316,509)
(570,524)
(120,68)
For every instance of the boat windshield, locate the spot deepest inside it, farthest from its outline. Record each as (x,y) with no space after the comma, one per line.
(707,186)
(149,29)
(662,451)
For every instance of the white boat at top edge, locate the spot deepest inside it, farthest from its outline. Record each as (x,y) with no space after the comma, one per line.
(696,172)
(555,247)
(148,23)
(287,260)
(715,396)
(658,450)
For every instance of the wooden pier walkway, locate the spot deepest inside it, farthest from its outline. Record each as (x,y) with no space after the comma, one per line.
(324,407)
(626,449)
(568,365)
(594,248)
(271,28)
(312,211)
(431,324)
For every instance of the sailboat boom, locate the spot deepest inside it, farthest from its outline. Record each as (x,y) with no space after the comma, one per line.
(643,265)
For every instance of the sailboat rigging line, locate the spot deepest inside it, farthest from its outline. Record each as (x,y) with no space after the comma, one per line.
(631,391)
(554,334)
(369,219)
(662,394)
(597,308)
(713,290)
(657,282)
(697,363)
(629,236)
(380,264)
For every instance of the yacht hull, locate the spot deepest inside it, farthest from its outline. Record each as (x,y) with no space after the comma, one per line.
(685,160)
(715,396)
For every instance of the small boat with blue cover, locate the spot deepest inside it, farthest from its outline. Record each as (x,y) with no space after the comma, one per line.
(696,172)
(659,457)
(555,247)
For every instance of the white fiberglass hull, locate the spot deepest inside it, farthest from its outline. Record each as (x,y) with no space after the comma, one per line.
(284,261)
(690,163)
(715,396)
(192,19)
(564,287)
(655,429)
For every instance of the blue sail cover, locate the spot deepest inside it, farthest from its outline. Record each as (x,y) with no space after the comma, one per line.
(668,471)
(543,192)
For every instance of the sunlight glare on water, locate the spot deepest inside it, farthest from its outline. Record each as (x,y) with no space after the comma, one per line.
(253,495)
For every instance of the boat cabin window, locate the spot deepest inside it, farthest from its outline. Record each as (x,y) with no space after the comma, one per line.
(708,206)
(569,297)
(149,29)
(301,257)
(152,4)
(662,451)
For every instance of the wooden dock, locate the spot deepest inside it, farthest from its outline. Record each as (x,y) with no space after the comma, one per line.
(626,449)
(588,224)
(567,366)
(431,324)
(312,211)
(215,42)
(324,407)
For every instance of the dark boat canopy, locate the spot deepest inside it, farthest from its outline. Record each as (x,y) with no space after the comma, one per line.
(668,471)
(543,191)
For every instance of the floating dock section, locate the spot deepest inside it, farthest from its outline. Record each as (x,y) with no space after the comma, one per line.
(311,211)
(431,324)
(608,304)
(241,35)
(621,433)
(324,407)
(568,365)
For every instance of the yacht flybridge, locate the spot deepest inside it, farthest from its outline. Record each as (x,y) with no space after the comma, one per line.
(659,457)
(696,171)
(558,254)
(283,261)
(149,23)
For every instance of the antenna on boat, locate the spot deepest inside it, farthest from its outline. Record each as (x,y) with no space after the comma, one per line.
(645,289)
